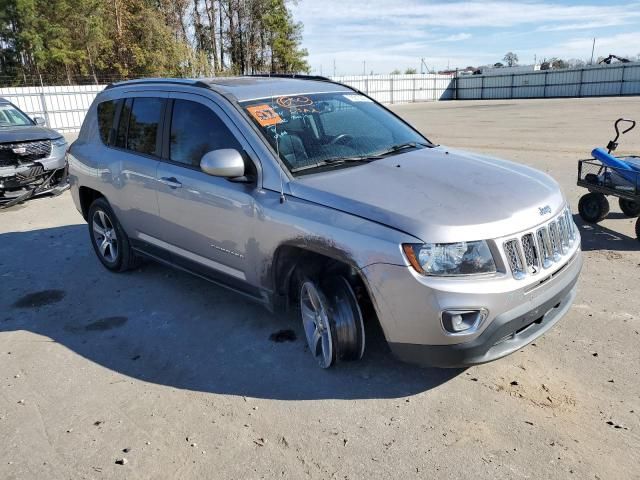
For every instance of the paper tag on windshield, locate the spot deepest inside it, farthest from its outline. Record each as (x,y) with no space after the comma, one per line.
(264,115)
(357,98)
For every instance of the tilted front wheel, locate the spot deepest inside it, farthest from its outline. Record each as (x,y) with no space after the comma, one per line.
(332,320)
(593,207)
(314,309)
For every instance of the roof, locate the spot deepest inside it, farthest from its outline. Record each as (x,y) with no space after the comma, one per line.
(250,87)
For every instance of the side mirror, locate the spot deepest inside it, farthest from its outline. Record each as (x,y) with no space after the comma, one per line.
(40,121)
(226,162)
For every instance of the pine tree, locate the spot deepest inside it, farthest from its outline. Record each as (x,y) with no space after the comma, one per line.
(64,39)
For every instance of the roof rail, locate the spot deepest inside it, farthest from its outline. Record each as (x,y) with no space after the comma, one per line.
(171,81)
(307,77)
(293,75)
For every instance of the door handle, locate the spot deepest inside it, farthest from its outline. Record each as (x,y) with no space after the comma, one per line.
(171,182)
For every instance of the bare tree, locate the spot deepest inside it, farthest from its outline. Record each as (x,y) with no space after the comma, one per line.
(511,59)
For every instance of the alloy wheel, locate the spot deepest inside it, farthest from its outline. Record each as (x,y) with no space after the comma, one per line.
(105,236)
(315,320)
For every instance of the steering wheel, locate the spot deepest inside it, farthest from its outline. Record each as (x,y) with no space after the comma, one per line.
(341,139)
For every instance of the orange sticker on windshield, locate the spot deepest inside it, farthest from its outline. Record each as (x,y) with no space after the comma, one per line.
(264,114)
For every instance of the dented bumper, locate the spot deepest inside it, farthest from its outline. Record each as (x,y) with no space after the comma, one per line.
(22,179)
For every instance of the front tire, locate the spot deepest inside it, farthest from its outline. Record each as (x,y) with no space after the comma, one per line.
(593,207)
(331,319)
(629,207)
(108,238)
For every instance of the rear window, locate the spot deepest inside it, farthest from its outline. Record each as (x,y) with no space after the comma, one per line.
(142,135)
(106,115)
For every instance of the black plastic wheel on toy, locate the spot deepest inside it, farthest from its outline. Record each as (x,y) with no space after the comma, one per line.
(629,207)
(593,207)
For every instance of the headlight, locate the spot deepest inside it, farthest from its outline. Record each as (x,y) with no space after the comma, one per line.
(463,258)
(58,142)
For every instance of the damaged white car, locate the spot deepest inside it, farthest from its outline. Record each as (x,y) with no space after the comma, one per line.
(32,157)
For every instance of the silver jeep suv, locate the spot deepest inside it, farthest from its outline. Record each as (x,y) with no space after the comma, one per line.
(302,191)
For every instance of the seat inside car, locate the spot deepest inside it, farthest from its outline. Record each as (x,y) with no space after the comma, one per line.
(292,149)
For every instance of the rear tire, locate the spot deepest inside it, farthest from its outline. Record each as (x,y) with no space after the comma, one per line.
(638,229)
(108,238)
(593,207)
(629,207)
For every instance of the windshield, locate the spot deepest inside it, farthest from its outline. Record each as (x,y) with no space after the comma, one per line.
(10,116)
(325,130)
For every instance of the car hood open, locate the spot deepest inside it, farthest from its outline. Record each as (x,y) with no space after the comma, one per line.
(26,133)
(439,194)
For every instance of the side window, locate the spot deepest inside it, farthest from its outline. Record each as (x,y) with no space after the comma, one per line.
(144,121)
(196,130)
(123,124)
(106,116)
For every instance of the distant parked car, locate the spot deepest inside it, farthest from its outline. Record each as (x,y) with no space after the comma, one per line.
(32,157)
(306,192)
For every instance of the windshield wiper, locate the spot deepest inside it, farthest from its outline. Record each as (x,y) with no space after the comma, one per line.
(376,156)
(400,147)
(363,158)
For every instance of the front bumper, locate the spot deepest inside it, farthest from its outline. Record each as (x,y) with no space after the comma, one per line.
(46,176)
(506,334)
(409,312)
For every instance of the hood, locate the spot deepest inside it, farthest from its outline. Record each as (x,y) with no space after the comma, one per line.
(26,133)
(439,194)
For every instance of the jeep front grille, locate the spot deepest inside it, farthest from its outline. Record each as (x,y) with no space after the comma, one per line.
(534,251)
(23,152)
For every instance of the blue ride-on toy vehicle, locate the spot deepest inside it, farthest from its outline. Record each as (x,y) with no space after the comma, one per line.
(606,174)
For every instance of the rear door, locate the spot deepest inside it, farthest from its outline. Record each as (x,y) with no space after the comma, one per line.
(207,221)
(133,162)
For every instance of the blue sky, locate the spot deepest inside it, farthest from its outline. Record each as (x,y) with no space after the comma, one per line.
(390,34)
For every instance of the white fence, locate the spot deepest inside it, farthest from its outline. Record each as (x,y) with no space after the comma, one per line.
(64,107)
(402,88)
(592,81)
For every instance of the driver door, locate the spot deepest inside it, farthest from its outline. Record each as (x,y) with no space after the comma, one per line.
(207,221)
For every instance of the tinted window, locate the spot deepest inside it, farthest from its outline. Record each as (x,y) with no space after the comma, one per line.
(123,124)
(106,115)
(143,125)
(196,130)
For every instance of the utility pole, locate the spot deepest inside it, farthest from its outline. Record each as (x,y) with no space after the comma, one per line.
(423,64)
(334,67)
(364,68)
(592,50)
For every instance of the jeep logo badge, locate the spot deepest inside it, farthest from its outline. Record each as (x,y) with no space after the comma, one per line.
(544,210)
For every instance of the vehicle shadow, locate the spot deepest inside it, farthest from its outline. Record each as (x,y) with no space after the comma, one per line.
(598,237)
(163,326)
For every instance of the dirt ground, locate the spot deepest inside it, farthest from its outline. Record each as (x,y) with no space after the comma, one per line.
(181,378)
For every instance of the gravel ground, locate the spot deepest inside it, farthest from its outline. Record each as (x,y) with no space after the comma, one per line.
(155,374)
